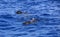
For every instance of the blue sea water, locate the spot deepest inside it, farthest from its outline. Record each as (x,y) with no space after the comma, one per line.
(47,11)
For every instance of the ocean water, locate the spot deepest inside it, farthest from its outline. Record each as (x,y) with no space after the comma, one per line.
(46,11)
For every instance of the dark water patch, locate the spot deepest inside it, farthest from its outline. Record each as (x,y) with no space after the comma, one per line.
(43,28)
(53,19)
(47,18)
(51,23)
(32,30)
(58,30)
(3,2)
(4,25)
(52,33)
(45,14)
(3,21)
(40,36)
(58,6)
(6,16)
(8,28)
